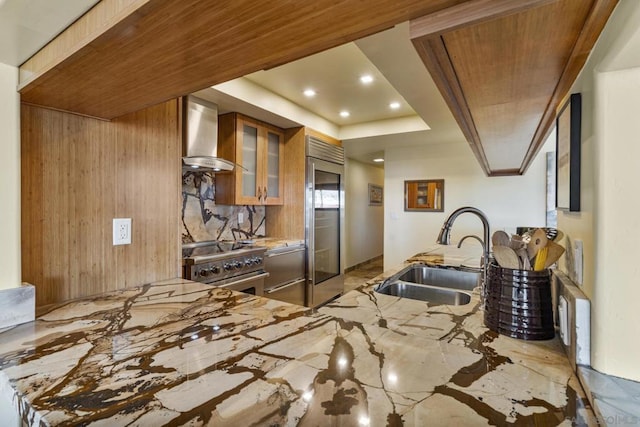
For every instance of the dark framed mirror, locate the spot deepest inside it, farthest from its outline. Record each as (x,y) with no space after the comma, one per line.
(424,195)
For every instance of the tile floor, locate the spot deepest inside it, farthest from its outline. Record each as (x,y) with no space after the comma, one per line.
(359,276)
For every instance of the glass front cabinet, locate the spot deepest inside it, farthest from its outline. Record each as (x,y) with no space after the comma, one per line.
(258,148)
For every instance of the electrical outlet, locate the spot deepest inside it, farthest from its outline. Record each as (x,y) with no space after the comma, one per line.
(121,231)
(240,217)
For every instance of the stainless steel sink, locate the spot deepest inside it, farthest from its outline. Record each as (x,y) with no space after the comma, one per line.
(441,277)
(432,294)
(432,284)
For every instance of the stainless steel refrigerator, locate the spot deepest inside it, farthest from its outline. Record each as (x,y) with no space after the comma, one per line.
(324,226)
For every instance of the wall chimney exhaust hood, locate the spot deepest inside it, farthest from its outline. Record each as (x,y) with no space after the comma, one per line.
(200,139)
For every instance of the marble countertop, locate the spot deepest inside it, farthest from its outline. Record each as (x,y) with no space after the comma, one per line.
(468,255)
(179,352)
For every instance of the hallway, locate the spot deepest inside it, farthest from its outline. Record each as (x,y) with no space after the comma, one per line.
(362,274)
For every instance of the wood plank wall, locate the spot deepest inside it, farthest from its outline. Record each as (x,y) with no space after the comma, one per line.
(287,221)
(78,174)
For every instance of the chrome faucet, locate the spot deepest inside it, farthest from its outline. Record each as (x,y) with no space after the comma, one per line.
(470,236)
(444,238)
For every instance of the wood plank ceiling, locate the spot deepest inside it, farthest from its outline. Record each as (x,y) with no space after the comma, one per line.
(124,56)
(504,68)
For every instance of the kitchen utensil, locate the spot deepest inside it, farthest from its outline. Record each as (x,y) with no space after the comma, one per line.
(541,258)
(555,251)
(500,238)
(551,233)
(506,257)
(516,243)
(524,258)
(559,236)
(537,242)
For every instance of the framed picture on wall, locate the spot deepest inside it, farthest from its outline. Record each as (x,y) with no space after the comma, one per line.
(375,195)
(568,136)
(424,195)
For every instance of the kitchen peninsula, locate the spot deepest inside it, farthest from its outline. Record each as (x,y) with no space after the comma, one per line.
(178,352)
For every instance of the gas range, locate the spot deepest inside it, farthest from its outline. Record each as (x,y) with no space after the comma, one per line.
(213,261)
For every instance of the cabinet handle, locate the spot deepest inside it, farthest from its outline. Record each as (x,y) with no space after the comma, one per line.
(293,251)
(259,193)
(265,194)
(286,285)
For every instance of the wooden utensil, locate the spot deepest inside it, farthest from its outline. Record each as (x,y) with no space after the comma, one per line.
(517,243)
(554,253)
(500,238)
(537,242)
(506,257)
(541,258)
(524,258)
(559,236)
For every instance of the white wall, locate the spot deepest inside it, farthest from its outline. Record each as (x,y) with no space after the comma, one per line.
(364,224)
(10,270)
(609,220)
(508,202)
(618,219)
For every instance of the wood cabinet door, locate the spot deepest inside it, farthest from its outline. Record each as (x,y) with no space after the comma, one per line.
(259,149)
(273,167)
(248,182)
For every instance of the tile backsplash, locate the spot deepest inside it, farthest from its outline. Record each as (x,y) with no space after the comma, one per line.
(203,220)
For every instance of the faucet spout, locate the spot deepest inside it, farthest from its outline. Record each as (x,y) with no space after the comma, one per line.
(444,238)
(470,236)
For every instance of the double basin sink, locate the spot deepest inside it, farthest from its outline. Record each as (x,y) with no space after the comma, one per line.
(435,285)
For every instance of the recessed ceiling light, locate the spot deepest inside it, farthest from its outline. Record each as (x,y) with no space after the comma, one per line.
(344,113)
(378,160)
(309,93)
(394,105)
(366,79)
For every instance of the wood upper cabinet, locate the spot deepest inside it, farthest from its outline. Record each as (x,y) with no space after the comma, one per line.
(259,148)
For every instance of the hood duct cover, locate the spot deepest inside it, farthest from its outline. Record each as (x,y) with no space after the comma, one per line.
(200,139)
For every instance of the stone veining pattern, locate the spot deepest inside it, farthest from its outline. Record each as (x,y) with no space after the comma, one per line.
(203,220)
(183,353)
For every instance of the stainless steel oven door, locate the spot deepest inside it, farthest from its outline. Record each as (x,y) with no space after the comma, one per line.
(251,283)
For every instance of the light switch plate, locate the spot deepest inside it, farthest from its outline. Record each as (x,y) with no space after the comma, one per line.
(240,217)
(121,231)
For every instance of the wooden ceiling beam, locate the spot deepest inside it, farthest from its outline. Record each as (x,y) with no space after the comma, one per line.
(125,56)
(504,66)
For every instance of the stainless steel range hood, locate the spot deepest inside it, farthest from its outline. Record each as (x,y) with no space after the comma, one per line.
(200,139)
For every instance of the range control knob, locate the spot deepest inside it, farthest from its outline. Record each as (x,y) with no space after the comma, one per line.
(227,266)
(248,262)
(215,269)
(257,260)
(203,273)
(237,265)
